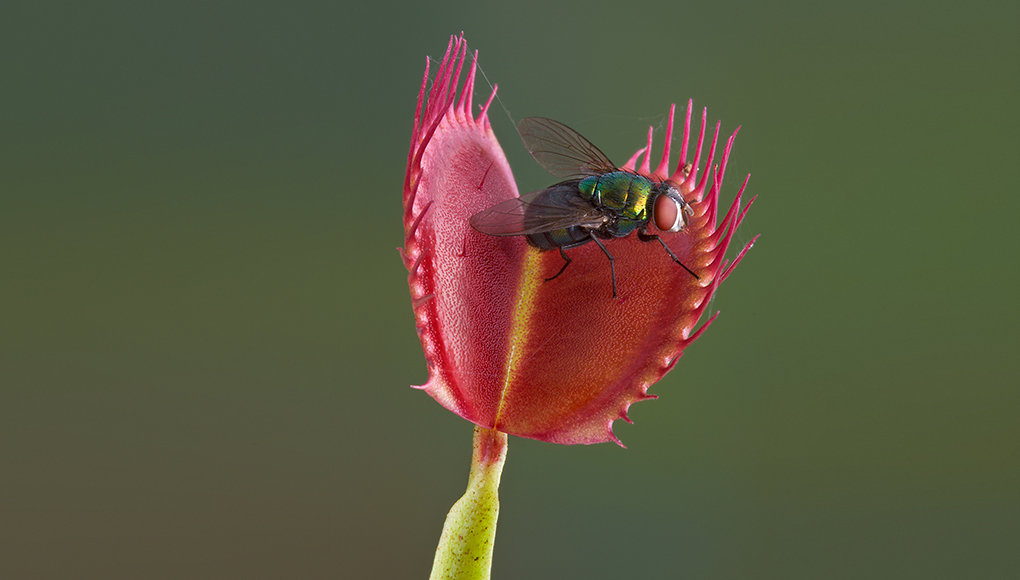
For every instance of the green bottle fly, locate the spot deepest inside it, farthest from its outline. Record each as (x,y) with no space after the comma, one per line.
(599,201)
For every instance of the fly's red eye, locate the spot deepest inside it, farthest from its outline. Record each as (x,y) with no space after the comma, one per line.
(666,214)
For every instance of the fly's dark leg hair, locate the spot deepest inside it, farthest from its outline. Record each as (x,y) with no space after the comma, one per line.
(645,237)
(566,262)
(612,267)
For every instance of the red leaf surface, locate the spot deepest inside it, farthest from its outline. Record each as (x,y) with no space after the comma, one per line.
(561,360)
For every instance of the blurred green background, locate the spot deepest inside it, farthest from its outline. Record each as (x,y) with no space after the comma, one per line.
(206,338)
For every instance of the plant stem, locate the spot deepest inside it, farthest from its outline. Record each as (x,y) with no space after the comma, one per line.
(465,548)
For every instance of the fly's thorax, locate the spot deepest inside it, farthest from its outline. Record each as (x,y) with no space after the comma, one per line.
(624,227)
(625,194)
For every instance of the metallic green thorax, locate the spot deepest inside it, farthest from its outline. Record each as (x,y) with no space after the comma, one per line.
(627,194)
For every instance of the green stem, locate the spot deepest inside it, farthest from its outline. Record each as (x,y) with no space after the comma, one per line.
(465,548)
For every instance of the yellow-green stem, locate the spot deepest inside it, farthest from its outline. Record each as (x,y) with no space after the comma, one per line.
(465,548)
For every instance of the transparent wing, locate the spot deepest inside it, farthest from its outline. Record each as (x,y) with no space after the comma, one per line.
(545,210)
(561,150)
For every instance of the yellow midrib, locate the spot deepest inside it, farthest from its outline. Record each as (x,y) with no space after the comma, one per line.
(527,288)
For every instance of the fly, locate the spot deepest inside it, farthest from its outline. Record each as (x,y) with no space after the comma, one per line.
(597,201)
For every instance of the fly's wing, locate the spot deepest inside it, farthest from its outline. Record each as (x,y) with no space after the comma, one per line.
(545,210)
(561,150)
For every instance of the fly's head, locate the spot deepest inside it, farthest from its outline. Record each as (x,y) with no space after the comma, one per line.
(670,211)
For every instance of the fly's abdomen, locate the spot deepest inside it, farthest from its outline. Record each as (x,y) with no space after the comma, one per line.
(562,238)
(560,196)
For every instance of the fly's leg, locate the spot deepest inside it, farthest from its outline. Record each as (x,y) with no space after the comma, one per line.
(612,267)
(566,262)
(649,237)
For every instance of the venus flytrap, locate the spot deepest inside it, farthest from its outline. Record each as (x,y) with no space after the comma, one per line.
(557,360)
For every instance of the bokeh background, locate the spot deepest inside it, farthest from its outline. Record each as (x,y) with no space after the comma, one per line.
(206,339)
